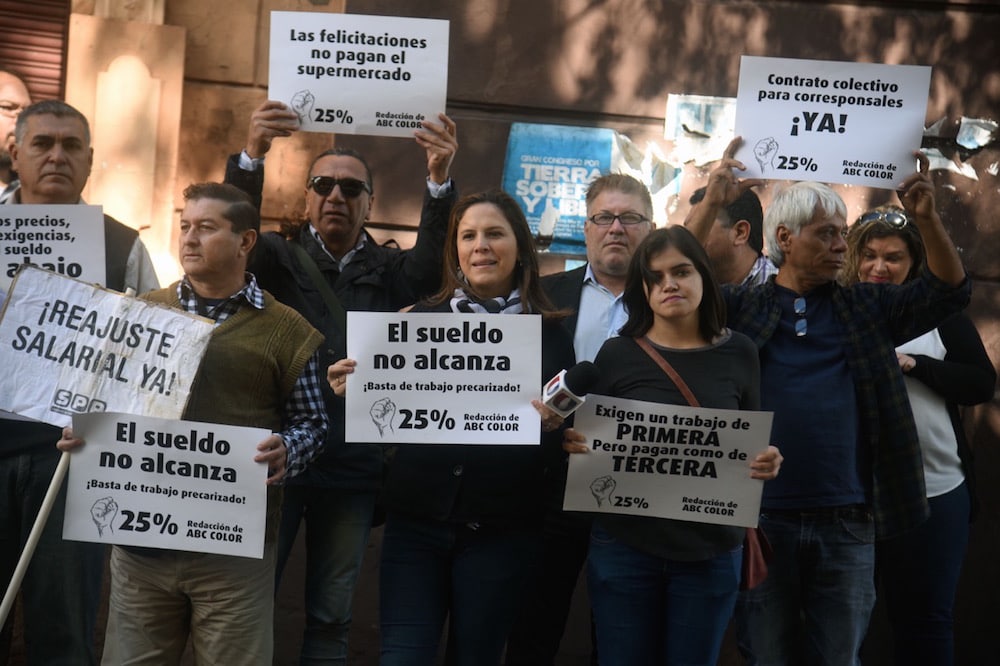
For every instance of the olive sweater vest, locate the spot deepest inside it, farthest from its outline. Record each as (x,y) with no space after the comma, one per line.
(248,371)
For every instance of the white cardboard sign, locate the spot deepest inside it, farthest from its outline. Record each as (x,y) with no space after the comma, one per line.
(667,461)
(355,74)
(833,122)
(160,483)
(68,347)
(443,378)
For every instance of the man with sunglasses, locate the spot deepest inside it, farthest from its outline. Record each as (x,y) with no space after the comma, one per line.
(330,265)
(14,97)
(829,372)
(620,211)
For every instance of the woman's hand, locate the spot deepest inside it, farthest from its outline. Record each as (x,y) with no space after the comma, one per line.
(766,465)
(68,441)
(337,373)
(906,362)
(574,441)
(550,420)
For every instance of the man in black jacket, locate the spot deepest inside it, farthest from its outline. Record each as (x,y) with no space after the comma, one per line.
(620,212)
(333,264)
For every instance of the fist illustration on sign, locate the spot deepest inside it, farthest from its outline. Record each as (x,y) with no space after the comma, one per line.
(601,488)
(764,151)
(302,104)
(382,412)
(103,514)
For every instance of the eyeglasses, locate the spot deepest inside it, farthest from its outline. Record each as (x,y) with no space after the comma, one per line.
(801,326)
(627,219)
(349,187)
(10,109)
(892,218)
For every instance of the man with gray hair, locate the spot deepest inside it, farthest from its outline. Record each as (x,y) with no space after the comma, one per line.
(61,590)
(14,97)
(852,467)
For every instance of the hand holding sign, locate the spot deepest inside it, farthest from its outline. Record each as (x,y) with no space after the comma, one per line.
(269,121)
(441,143)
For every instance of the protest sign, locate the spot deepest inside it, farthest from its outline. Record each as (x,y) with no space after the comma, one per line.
(160,483)
(68,347)
(443,378)
(834,122)
(356,74)
(667,461)
(66,239)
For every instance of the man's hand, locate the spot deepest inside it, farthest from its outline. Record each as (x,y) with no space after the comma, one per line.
(916,193)
(441,144)
(722,189)
(270,120)
(273,452)
(68,441)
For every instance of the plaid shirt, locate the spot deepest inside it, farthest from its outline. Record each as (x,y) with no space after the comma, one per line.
(305,423)
(874,320)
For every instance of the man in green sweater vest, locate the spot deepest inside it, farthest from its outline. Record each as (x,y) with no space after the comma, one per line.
(261,370)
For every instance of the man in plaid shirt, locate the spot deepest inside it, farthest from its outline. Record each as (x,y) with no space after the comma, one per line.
(852,470)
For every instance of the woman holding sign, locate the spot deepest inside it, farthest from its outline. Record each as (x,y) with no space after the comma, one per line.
(943,369)
(663,590)
(463,532)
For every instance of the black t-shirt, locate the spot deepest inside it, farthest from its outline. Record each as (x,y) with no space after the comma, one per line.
(723,375)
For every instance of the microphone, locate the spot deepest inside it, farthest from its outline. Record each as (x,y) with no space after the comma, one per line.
(565,392)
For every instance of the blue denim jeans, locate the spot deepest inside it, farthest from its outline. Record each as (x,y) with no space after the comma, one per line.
(62,587)
(651,611)
(432,571)
(814,607)
(919,573)
(338,523)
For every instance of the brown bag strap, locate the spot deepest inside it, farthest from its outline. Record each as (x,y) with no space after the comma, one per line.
(643,343)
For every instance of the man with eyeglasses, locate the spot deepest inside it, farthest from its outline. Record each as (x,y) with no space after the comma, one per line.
(829,372)
(735,243)
(14,96)
(62,588)
(620,211)
(330,265)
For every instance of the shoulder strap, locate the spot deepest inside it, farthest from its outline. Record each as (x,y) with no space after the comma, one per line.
(669,369)
(330,298)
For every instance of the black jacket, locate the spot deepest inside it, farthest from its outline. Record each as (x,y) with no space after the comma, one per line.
(493,485)
(378,279)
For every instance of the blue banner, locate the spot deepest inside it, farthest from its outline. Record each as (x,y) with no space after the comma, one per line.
(547,169)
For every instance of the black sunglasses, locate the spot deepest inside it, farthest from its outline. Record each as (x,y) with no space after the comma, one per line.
(349,187)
